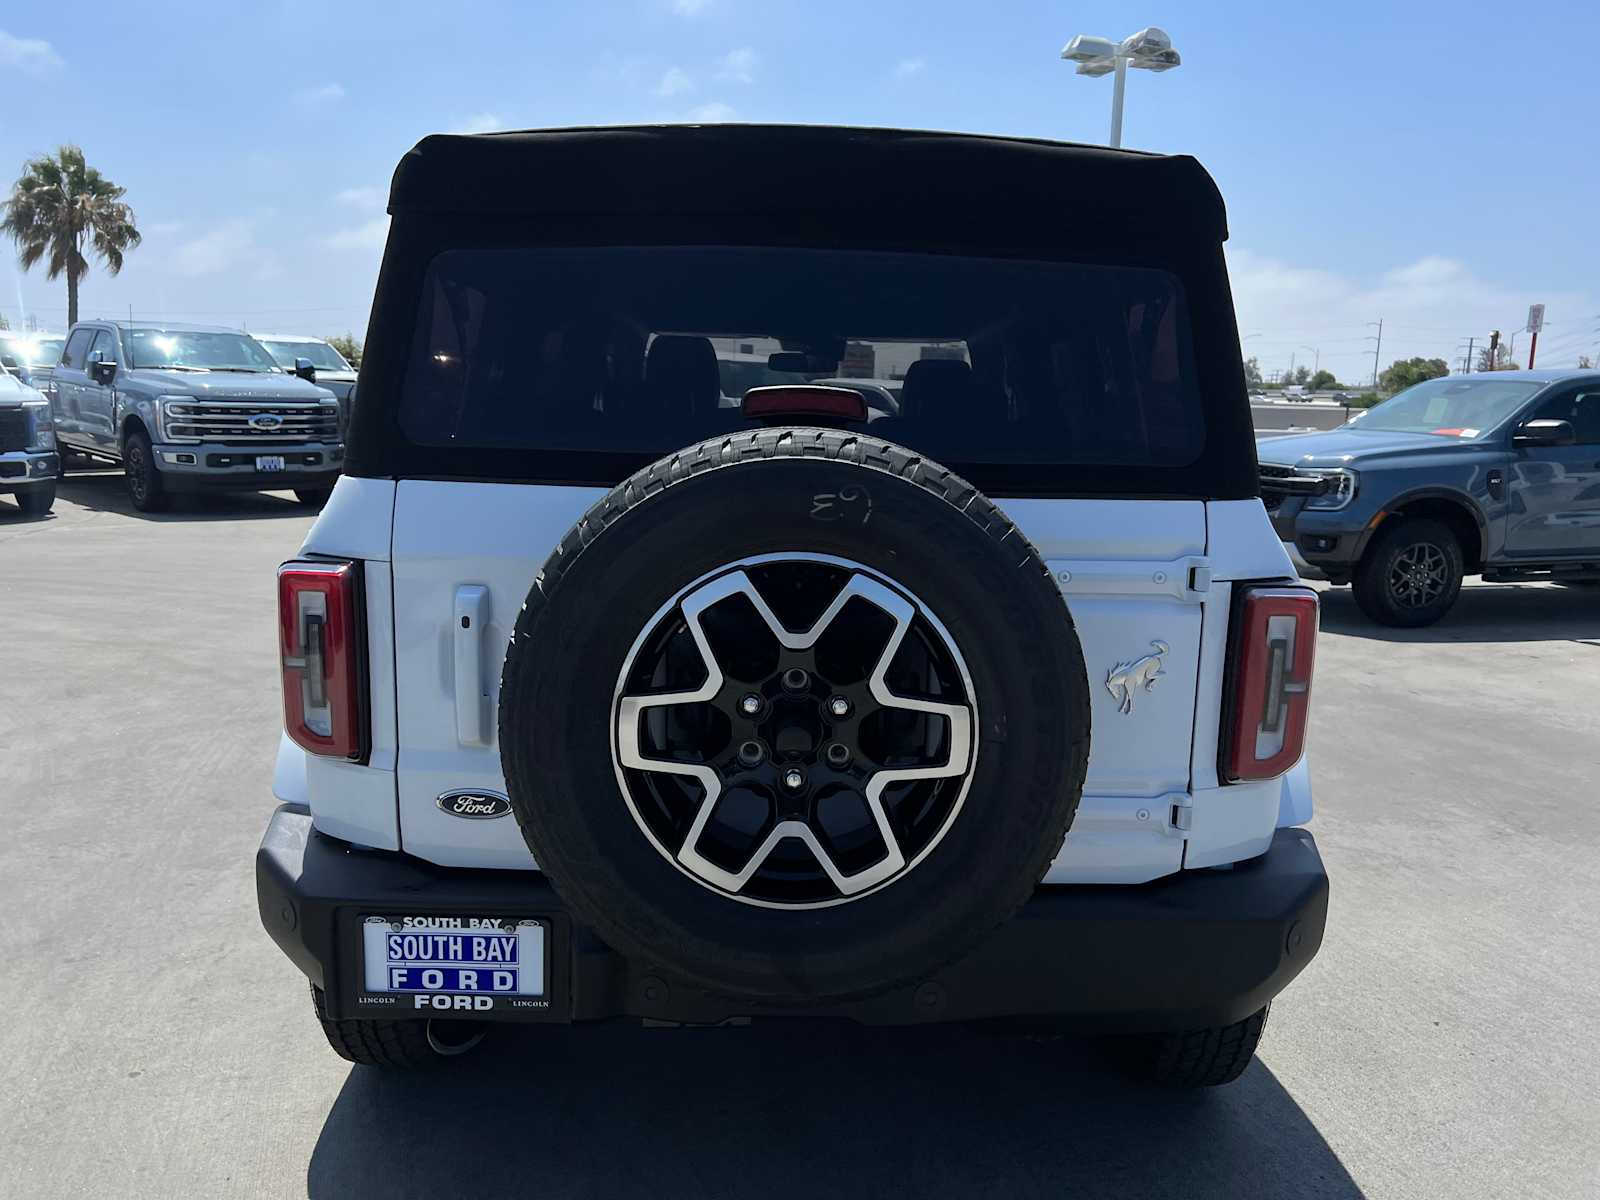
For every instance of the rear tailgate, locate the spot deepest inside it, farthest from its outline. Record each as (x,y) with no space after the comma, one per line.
(465,555)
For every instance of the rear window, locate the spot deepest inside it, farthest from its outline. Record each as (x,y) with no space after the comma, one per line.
(641,351)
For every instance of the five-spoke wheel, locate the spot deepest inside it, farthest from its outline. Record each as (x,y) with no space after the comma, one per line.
(794,730)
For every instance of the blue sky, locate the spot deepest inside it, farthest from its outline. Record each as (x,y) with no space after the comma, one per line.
(1436,165)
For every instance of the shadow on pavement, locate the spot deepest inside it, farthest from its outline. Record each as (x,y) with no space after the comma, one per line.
(105,491)
(809,1111)
(1488,613)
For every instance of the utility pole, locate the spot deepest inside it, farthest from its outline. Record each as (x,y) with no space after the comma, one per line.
(1471,341)
(1376,350)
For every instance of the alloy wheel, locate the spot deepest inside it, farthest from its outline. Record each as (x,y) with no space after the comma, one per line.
(794,731)
(1418,575)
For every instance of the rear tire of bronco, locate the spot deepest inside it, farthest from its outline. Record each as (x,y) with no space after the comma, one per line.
(790,826)
(142,476)
(1195,1058)
(1411,573)
(405,1044)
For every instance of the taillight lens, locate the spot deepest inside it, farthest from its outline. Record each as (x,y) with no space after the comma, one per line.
(804,400)
(1274,649)
(321,638)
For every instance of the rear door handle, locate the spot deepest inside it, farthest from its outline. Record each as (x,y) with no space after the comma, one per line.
(467,630)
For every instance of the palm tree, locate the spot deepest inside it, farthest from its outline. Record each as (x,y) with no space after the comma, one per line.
(58,205)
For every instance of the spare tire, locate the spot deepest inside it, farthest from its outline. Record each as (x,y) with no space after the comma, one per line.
(794,715)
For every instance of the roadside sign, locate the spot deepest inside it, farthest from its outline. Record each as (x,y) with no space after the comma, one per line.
(1535,318)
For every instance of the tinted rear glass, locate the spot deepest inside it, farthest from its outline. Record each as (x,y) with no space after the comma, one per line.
(646,350)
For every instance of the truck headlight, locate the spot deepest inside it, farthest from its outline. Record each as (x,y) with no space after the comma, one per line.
(1341,488)
(172,419)
(41,426)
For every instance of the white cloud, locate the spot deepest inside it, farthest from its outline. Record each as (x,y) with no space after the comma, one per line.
(738,66)
(674,82)
(711,113)
(370,235)
(907,67)
(690,8)
(1428,307)
(318,95)
(480,122)
(229,246)
(363,197)
(32,55)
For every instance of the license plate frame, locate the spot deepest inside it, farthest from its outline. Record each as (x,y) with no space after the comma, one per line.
(271,464)
(478,1003)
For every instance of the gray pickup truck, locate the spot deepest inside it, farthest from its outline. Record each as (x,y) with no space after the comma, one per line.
(192,408)
(1495,475)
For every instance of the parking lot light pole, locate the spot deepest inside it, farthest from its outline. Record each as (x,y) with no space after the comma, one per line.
(1148,50)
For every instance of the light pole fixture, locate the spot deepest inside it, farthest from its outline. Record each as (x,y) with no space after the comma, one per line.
(1148,50)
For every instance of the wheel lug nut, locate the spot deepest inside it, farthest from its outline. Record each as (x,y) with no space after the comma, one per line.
(750,753)
(839,706)
(838,755)
(794,779)
(750,704)
(796,680)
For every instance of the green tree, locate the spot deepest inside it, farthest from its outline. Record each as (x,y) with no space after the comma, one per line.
(1302,375)
(1403,373)
(346,345)
(61,206)
(1500,362)
(1252,372)
(1321,380)
(4,324)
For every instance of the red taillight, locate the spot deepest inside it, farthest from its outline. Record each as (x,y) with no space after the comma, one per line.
(1274,648)
(321,642)
(804,400)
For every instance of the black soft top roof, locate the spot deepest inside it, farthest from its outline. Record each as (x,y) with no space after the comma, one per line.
(1027,186)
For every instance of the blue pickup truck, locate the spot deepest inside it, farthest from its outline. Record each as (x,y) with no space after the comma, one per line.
(1495,475)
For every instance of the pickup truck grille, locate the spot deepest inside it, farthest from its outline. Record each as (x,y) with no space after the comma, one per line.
(1278,482)
(255,423)
(13,429)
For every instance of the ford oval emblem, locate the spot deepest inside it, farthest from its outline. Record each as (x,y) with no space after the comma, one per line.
(265,421)
(474,804)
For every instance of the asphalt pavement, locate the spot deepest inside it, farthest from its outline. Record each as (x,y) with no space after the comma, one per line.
(1442,1045)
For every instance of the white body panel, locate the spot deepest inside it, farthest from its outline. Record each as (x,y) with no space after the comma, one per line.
(1133,573)
(350,801)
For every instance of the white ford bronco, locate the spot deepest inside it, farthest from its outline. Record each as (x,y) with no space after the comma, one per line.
(976,694)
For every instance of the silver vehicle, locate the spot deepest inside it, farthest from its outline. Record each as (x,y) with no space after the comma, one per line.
(31,356)
(311,358)
(28,462)
(191,408)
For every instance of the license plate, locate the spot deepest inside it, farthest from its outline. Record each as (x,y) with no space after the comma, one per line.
(269,462)
(451,958)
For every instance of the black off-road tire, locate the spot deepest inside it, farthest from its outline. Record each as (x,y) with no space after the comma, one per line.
(1396,543)
(141,474)
(1197,1058)
(36,499)
(313,497)
(401,1044)
(782,491)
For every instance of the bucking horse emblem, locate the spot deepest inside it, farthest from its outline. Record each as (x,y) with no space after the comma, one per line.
(1128,677)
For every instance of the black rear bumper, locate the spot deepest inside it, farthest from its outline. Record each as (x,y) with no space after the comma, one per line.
(1201,948)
